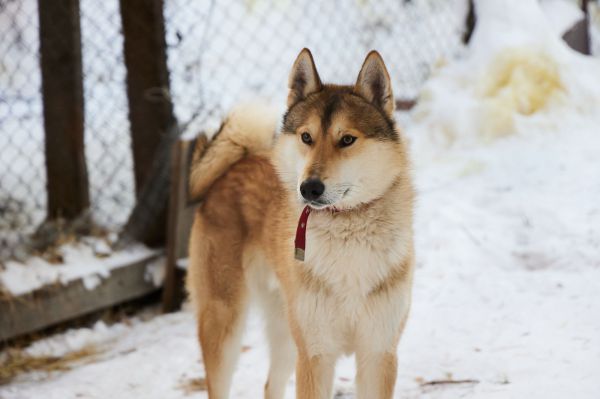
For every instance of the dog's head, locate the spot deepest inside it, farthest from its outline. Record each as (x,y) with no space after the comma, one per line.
(339,147)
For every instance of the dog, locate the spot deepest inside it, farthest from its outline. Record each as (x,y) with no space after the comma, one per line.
(316,223)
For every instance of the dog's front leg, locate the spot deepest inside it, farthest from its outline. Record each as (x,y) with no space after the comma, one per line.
(314,376)
(376,375)
(378,333)
(318,340)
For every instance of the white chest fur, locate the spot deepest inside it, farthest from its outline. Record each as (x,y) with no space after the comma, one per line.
(353,255)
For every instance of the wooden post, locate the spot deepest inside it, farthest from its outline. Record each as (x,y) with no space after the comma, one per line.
(62,94)
(469,23)
(150,114)
(182,209)
(578,37)
(150,108)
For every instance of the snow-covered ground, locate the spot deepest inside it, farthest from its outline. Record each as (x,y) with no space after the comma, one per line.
(506,293)
(507,290)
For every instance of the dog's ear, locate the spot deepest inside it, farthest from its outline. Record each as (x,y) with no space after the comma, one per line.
(304,78)
(374,83)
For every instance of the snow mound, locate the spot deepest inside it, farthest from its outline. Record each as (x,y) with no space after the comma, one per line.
(562,14)
(517,77)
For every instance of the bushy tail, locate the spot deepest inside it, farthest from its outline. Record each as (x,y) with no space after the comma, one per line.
(248,129)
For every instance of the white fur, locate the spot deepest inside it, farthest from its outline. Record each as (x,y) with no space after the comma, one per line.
(252,126)
(248,129)
(265,287)
(366,176)
(353,256)
(357,180)
(231,348)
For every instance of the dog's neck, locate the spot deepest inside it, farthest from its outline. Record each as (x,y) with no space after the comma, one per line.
(393,196)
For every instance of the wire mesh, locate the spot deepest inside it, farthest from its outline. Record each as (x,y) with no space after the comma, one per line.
(218,53)
(225,52)
(107,138)
(22,176)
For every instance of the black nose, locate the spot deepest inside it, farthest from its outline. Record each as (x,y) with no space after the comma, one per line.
(311,189)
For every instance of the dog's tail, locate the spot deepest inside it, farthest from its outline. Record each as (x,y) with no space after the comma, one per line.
(248,129)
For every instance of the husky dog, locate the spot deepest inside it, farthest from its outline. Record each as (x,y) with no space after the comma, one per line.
(317,224)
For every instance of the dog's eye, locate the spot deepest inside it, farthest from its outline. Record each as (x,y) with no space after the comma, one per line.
(347,140)
(306,139)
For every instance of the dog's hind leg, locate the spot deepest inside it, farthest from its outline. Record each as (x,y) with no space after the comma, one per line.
(219,292)
(281,346)
(220,329)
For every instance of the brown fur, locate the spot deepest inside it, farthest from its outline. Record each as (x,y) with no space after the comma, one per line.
(245,228)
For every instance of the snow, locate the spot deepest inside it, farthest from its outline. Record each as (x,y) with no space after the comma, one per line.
(561,14)
(509,83)
(80,261)
(156,271)
(507,239)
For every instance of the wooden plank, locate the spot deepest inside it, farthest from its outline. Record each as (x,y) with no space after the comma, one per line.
(62,94)
(50,305)
(181,216)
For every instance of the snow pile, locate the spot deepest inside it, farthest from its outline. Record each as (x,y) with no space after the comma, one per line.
(97,335)
(517,76)
(515,125)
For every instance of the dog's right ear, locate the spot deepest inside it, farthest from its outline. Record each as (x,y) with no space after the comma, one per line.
(304,78)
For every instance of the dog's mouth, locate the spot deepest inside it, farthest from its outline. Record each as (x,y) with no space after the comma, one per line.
(326,205)
(318,205)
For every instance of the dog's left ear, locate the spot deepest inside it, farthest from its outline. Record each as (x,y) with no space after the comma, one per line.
(374,83)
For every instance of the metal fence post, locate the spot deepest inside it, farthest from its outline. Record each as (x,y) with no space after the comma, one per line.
(62,93)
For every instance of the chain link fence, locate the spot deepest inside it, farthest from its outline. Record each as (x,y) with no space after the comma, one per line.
(218,53)
(22,176)
(245,48)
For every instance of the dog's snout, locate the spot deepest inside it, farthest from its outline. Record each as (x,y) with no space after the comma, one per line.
(311,189)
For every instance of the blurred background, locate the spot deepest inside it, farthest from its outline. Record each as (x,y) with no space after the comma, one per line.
(190,61)
(102,101)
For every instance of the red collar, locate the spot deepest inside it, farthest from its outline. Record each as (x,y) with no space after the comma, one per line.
(300,241)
